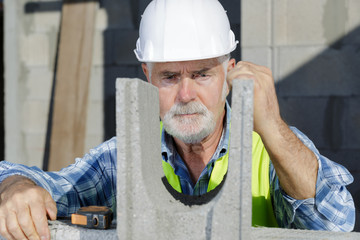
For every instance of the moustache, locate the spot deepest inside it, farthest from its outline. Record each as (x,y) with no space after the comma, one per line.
(188,108)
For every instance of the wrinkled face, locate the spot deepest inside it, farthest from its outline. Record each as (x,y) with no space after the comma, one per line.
(192,97)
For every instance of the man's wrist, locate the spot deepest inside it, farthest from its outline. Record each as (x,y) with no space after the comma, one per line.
(14,181)
(274,130)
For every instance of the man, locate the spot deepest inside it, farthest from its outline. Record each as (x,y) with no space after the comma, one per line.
(184,46)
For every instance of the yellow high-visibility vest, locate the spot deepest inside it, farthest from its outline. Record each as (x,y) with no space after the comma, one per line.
(262,210)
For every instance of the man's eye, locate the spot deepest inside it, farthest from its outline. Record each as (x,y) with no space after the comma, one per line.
(200,75)
(170,79)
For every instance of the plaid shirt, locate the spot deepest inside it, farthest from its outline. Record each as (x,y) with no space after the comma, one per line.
(92,181)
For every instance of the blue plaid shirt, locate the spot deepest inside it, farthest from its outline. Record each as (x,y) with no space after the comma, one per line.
(91,180)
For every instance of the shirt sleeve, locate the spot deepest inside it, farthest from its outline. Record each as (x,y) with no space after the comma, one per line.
(91,180)
(331,209)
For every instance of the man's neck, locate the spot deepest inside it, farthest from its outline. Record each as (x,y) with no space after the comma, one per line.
(197,156)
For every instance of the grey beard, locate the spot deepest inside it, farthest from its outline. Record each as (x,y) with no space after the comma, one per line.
(190,130)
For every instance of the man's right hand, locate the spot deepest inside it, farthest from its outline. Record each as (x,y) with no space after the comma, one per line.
(24,208)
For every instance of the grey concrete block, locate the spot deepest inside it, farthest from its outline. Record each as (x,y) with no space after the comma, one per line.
(96,87)
(145,208)
(284,234)
(36,112)
(258,55)
(298,22)
(334,28)
(289,58)
(35,49)
(241,150)
(46,21)
(61,230)
(317,71)
(255,19)
(331,122)
(39,83)
(94,123)
(34,144)
(352,37)
(99,48)
(353,17)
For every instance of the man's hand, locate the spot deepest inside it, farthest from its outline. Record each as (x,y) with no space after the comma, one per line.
(266,107)
(24,208)
(295,165)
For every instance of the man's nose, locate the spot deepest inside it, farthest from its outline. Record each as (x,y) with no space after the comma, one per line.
(186,91)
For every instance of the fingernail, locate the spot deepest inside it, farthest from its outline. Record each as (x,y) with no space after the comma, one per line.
(44,238)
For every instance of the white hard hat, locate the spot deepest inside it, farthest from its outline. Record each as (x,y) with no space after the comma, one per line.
(182,30)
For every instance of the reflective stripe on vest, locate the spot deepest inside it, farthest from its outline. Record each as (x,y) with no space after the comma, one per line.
(262,211)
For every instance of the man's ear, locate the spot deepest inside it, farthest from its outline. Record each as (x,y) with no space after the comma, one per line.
(231,64)
(146,71)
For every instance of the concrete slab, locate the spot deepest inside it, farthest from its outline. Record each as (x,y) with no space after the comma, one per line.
(256,23)
(145,207)
(284,234)
(297,22)
(259,55)
(61,230)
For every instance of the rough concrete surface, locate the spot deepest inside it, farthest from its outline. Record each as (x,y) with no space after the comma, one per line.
(145,208)
(286,234)
(63,231)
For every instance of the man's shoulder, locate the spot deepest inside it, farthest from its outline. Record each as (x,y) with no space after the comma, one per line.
(107,146)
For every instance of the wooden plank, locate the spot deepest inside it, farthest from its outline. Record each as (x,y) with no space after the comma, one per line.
(72,83)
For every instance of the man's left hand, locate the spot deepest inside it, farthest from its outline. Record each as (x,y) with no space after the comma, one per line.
(266,107)
(295,165)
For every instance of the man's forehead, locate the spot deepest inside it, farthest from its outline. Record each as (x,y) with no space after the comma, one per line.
(194,65)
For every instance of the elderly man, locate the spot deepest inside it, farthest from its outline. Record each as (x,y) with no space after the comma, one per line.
(184,46)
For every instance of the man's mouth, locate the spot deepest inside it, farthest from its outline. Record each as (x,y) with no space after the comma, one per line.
(186,115)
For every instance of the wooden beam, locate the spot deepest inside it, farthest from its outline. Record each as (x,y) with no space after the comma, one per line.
(72,82)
